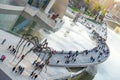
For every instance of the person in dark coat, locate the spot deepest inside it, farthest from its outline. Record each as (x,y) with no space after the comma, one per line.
(3,41)
(35,76)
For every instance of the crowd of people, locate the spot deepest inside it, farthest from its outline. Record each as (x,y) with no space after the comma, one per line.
(71,57)
(12,49)
(102,48)
(18,69)
(38,65)
(33,75)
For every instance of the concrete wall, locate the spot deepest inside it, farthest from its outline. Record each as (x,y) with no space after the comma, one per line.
(60,7)
(117,29)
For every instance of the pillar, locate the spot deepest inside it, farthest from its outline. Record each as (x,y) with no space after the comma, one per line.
(49,6)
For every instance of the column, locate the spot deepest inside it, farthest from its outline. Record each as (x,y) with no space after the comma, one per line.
(49,6)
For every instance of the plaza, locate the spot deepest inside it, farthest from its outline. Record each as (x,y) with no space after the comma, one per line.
(83,31)
(72,44)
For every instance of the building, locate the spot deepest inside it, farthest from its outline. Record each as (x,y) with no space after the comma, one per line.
(116,9)
(112,6)
(107,4)
(32,16)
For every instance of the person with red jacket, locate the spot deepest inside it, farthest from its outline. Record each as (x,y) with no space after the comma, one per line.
(3,57)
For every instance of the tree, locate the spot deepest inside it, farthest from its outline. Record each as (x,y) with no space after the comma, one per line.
(87,4)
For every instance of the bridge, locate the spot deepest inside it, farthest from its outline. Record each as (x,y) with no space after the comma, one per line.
(100,53)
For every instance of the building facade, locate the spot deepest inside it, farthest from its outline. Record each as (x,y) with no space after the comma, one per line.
(20,24)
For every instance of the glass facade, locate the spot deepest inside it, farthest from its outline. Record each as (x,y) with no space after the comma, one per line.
(17,24)
(42,4)
(23,25)
(7,21)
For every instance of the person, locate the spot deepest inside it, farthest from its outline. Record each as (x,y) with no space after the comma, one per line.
(14,51)
(34,62)
(22,70)
(35,76)
(3,57)
(54,16)
(57,61)
(3,41)
(13,69)
(19,69)
(28,44)
(9,47)
(12,47)
(22,57)
(31,74)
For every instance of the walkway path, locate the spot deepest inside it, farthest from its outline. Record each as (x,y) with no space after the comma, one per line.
(82,60)
(7,65)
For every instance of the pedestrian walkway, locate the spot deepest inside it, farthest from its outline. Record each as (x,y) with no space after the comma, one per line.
(7,65)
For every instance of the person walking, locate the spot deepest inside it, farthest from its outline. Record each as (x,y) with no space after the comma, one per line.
(34,62)
(28,44)
(35,77)
(57,61)
(3,41)
(31,74)
(22,70)
(9,47)
(3,57)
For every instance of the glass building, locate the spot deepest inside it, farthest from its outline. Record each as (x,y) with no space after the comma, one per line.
(33,17)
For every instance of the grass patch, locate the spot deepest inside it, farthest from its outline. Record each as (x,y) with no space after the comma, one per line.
(83,76)
(92,20)
(74,9)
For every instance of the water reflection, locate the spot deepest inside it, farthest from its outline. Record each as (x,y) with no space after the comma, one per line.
(109,70)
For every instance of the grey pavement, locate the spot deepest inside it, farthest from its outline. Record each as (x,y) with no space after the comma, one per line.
(4,76)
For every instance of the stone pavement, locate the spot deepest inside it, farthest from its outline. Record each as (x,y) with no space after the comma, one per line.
(3,76)
(7,65)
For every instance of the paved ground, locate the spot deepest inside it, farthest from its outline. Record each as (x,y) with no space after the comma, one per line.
(4,76)
(76,39)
